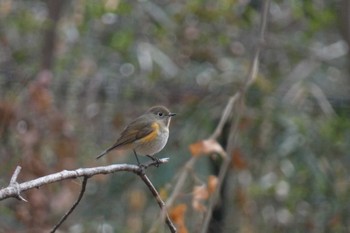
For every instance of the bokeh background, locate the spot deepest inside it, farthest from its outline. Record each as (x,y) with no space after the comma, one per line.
(73,73)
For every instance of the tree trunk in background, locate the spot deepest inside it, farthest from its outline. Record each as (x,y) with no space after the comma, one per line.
(54,13)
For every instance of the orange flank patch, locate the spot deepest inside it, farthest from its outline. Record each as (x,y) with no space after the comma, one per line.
(150,137)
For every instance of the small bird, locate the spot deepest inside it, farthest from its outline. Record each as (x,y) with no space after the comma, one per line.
(146,135)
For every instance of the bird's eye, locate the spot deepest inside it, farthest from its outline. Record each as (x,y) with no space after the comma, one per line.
(160,114)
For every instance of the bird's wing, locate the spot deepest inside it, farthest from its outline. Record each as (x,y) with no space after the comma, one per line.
(134,131)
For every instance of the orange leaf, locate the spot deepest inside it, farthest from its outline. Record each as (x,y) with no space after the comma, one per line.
(212,184)
(206,147)
(177,214)
(200,193)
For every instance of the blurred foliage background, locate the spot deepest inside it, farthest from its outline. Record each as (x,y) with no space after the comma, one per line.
(73,73)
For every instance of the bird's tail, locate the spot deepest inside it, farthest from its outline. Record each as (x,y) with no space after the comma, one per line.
(102,154)
(108,150)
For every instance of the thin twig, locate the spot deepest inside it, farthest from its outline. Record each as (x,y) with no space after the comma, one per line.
(15,175)
(177,189)
(189,164)
(252,75)
(224,117)
(15,185)
(82,191)
(261,41)
(159,200)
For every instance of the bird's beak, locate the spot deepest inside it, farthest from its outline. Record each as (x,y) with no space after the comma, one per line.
(171,114)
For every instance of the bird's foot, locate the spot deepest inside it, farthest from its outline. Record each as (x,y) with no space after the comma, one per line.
(154,159)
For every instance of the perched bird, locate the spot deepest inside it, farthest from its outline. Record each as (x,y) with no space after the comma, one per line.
(146,135)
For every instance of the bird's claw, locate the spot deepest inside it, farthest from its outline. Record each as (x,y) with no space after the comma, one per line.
(154,159)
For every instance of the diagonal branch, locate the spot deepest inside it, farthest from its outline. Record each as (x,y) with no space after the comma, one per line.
(239,110)
(225,116)
(83,187)
(160,202)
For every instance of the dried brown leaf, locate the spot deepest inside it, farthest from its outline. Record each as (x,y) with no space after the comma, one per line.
(200,193)
(206,147)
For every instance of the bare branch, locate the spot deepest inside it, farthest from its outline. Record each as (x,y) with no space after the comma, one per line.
(159,200)
(14,189)
(177,189)
(83,186)
(234,126)
(224,116)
